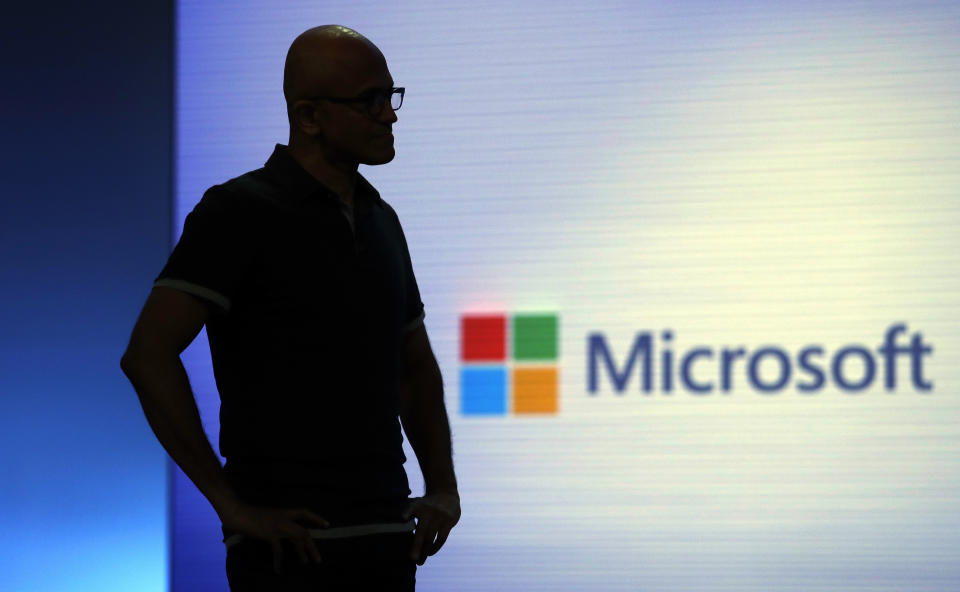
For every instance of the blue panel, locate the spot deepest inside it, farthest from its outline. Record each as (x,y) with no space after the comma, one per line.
(84,226)
(483,391)
(196,547)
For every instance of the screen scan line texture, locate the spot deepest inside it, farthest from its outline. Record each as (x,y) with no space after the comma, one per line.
(742,175)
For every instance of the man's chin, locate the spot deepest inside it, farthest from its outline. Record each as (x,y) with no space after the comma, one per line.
(380,158)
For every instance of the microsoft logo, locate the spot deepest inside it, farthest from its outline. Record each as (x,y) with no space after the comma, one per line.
(508,364)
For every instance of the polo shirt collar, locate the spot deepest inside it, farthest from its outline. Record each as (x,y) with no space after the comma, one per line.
(301,186)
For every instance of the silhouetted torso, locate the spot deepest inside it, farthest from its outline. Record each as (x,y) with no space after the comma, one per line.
(306,334)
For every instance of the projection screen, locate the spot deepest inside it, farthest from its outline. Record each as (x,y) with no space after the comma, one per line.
(689,270)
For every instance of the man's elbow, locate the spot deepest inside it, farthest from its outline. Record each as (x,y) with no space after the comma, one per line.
(132,363)
(406,401)
(135,361)
(126,361)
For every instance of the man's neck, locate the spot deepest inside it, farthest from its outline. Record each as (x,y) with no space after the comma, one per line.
(341,178)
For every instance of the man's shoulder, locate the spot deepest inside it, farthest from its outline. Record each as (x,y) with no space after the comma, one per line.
(388,209)
(368,188)
(251,185)
(246,193)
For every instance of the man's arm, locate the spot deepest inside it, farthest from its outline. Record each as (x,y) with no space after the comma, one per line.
(424,418)
(169,322)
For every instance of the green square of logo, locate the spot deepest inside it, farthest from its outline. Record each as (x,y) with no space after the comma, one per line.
(535,337)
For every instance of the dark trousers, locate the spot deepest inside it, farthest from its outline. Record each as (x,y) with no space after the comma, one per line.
(371,562)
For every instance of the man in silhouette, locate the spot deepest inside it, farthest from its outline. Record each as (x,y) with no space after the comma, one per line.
(301,274)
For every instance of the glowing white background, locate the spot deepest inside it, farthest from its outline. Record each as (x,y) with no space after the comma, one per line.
(742,173)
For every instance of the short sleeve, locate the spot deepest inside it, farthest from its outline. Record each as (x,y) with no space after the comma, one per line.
(208,259)
(414,313)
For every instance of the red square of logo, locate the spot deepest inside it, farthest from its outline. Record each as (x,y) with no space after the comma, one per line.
(483,338)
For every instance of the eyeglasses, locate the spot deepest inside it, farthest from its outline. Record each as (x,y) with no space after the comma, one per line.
(373,101)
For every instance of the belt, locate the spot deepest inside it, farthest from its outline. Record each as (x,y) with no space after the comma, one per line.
(340,532)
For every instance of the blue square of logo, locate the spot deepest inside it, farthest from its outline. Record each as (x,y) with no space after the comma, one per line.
(483,390)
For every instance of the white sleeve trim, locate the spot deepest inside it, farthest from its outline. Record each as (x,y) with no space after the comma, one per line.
(205,293)
(415,323)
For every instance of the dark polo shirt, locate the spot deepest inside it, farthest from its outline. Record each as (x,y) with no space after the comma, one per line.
(309,312)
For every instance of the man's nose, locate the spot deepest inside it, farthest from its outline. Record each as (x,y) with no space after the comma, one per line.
(389,114)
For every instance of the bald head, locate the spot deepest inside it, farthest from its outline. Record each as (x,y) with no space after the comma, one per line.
(325,64)
(321,60)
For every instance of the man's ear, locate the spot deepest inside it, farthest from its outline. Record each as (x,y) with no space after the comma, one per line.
(304,117)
